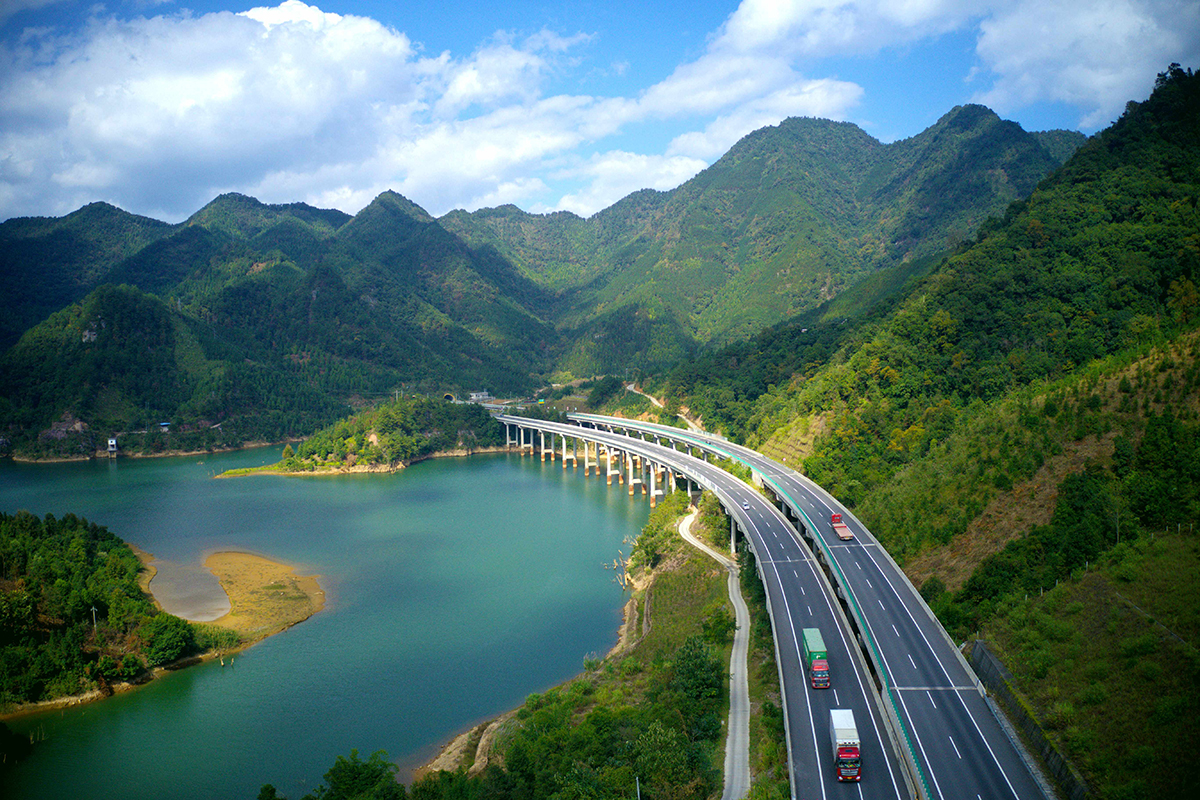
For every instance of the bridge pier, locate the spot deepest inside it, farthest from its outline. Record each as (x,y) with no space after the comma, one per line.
(655,492)
(634,482)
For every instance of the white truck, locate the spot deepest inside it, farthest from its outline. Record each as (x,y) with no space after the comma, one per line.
(847,759)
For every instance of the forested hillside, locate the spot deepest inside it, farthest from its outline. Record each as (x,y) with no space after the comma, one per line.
(46,264)
(393,435)
(1024,414)
(791,216)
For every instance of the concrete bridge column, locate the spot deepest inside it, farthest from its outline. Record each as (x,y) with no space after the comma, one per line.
(633,482)
(542,449)
(587,458)
(611,464)
(732,534)
(655,492)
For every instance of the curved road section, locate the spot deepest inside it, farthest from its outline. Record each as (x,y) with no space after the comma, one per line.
(798,596)
(955,745)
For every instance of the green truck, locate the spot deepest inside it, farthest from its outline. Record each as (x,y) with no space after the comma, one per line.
(816,659)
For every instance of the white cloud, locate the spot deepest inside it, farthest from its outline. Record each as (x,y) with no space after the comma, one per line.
(144,110)
(1096,56)
(814,28)
(291,102)
(615,174)
(286,103)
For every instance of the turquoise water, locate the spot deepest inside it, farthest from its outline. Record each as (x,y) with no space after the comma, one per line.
(454,589)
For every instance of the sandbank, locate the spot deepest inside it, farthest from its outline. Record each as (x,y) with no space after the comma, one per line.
(265,597)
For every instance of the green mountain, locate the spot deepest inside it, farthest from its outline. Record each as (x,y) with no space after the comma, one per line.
(47,263)
(360,306)
(203,327)
(1021,415)
(789,217)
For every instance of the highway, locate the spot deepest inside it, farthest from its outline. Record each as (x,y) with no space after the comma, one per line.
(799,596)
(958,747)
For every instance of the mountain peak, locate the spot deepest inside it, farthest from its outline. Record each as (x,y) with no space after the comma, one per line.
(398,202)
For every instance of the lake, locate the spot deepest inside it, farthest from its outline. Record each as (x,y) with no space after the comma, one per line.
(454,589)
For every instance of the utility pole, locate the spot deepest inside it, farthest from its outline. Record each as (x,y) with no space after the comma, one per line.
(93,620)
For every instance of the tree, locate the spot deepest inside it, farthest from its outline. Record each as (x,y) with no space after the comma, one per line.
(167,638)
(661,759)
(354,779)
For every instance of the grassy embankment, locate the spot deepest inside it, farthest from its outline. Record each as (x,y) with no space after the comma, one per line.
(1109,664)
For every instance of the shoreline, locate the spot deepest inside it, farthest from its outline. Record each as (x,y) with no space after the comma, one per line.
(360,469)
(453,754)
(104,454)
(266,597)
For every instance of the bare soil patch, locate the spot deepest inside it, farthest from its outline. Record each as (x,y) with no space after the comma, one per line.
(1007,517)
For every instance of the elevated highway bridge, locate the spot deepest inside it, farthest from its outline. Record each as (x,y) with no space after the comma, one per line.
(952,739)
(798,596)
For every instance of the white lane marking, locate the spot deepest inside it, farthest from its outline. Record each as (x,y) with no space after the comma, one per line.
(921,745)
(952,744)
(821,763)
(897,630)
(868,580)
(910,660)
(829,604)
(970,716)
(931,701)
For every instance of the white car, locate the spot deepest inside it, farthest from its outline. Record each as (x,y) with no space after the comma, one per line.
(746,506)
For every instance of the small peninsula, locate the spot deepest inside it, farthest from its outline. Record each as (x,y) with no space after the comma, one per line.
(102,603)
(388,438)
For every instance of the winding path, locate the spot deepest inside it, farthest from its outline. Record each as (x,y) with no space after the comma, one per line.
(737,740)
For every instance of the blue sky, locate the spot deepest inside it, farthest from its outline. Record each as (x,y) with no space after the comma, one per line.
(157,107)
